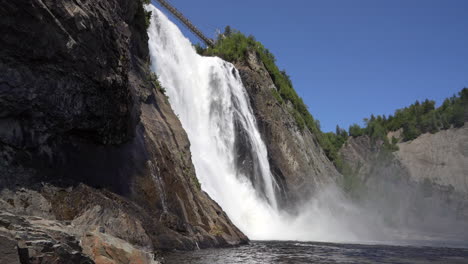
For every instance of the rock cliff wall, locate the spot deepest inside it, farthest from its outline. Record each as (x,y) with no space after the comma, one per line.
(296,159)
(440,158)
(422,184)
(86,135)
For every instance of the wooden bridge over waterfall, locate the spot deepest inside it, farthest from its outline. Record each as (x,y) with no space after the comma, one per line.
(187,23)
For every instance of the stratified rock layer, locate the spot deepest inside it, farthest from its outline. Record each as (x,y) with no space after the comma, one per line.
(87,136)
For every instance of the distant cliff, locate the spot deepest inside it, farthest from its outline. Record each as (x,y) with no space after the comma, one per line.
(424,180)
(87,136)
(440,158)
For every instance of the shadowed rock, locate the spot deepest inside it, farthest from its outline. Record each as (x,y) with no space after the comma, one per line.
(87,136)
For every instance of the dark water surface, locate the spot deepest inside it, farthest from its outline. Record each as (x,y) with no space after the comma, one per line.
(305,252)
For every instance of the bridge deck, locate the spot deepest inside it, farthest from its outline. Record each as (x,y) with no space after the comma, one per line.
(190,26)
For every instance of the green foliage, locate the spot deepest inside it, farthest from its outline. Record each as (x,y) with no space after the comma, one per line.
(414,120)
(231,46)
(147,18)
(147,13)
(418,118)
(227,31)
(355,130)
(143,17)
(155,81)
(199,48)
(332,142)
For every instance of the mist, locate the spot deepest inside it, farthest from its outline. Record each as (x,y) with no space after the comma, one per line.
(208,96)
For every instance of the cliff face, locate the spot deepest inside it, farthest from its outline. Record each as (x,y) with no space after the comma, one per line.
(425,179)
(441,158)
(87,137)
(297,161)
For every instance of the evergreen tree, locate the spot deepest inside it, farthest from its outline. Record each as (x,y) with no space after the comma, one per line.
(227,31)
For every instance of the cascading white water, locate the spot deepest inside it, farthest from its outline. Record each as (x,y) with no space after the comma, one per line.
(208,96)
(229,155)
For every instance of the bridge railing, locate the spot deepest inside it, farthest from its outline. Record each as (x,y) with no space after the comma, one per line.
(183,19)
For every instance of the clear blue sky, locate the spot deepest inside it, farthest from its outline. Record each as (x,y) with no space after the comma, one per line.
(352,58)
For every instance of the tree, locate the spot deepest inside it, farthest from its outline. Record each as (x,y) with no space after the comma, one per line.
(355,130)
(227,31)
(341,133)
(199,48)
(458,116)
(410,132)
(428,105)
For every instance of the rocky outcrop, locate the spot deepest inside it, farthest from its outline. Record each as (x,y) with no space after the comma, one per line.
(87,136)
(297,161)
(36,240)
(30,239)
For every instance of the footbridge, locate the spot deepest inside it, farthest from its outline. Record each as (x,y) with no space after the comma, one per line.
(186,22)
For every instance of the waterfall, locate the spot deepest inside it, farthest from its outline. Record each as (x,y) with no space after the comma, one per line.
(228,153)
(230,158)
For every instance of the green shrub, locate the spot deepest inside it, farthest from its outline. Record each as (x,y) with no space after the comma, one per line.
(143,17)
(148,18)
(355,130)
